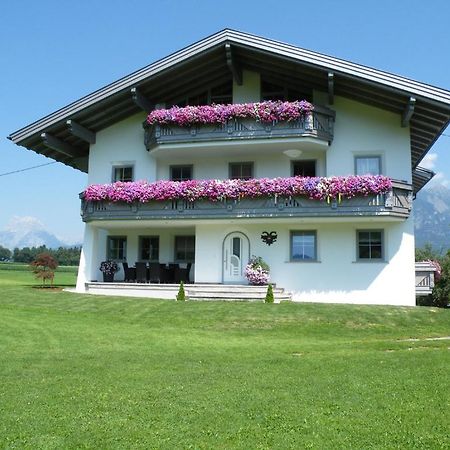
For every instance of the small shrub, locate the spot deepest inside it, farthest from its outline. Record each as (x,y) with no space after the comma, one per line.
(269,295)
(181,296)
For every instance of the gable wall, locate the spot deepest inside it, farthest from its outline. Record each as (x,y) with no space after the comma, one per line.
(359,130)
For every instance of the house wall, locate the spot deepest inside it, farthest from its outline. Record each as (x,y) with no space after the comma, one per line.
(359,130)
(217,167)
(364,130)
(95,251)
(337,276)
(120,144)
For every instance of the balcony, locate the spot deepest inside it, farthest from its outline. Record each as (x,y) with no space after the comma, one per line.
(395,204)
(315,127)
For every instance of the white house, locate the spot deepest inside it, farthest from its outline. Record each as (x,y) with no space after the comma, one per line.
(334,249)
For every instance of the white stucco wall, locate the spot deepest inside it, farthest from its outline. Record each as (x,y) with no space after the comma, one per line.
(337,276)
(364,130)
(250,89)
(121,144)
(95,251)
(359,130)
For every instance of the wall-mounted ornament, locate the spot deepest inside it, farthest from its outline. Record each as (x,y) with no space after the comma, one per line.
(269,238)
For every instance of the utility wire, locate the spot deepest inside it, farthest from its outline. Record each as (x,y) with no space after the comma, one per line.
(54,162)
(27,168)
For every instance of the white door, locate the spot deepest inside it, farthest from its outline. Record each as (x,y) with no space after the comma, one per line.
(235,258)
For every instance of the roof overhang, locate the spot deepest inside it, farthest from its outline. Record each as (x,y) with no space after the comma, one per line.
(66,134)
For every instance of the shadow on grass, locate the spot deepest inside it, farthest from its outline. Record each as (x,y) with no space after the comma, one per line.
(57,287)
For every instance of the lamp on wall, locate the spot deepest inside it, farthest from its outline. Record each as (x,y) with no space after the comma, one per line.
(293,153)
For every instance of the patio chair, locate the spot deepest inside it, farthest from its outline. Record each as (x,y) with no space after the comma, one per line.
(141,272)
(130,272)
(154,273)
(182,274)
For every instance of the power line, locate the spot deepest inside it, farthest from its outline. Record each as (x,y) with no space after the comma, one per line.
(27,168)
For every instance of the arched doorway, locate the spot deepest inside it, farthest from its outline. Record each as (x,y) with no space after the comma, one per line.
(236,254)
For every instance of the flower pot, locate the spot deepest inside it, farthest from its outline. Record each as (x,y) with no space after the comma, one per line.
(108,277)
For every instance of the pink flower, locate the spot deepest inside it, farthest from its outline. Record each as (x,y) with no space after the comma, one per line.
(317,188)
(268,111)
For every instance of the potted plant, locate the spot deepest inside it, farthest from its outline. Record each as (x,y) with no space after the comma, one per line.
(109,268)
(257,271)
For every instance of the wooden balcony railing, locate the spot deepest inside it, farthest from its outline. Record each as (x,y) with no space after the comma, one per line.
(424,278)
(318,125)
(396,203)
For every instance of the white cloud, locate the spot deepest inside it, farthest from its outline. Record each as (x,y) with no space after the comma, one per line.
(429,162)
(440,179)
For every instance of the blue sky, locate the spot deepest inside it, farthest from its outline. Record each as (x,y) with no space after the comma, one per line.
(54,52)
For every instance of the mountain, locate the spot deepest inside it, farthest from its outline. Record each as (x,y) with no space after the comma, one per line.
(28,232)
(432,217)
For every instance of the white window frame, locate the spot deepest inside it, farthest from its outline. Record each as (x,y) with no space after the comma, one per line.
(368,156)
(121,166)
(383,245)
(299,233)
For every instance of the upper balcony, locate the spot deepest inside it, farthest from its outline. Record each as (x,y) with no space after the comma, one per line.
(394,202)
(314,128)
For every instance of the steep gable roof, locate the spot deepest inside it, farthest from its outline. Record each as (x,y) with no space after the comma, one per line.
(65,134)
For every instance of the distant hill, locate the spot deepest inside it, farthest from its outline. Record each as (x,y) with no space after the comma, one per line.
(28,232)
(432,217)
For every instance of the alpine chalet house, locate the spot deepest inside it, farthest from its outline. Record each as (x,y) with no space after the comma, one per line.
(240,146)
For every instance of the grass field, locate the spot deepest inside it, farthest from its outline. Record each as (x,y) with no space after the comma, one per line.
(108,372)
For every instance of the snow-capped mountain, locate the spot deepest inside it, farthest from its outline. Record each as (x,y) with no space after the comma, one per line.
(432,217)
(28,232)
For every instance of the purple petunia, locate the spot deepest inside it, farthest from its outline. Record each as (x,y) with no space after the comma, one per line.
(317,188)
(268,111)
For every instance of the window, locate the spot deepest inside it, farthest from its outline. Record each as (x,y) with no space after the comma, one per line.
(116,248)
(180,173)
(222,94)
(184,248)
(279,91)
(303,246)
(122,173)
(149,248)
(370,245)
(304,168)
(367,165)
(241,170)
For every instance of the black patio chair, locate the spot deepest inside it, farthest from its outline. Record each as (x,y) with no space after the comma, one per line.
(182,274)
(129,272)
(154,273)
(141,272)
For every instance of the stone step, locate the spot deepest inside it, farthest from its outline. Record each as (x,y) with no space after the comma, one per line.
(224,289)
(204,294)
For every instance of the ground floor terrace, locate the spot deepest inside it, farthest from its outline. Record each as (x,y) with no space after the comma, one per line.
(353,260)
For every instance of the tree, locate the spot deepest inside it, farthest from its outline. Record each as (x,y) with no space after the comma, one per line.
(44,267)
(269,295)
(441,291)
(5,254)
(181,296)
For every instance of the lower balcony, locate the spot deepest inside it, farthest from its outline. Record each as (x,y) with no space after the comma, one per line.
(396,204)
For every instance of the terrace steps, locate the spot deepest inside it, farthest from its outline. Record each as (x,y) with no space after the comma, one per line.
(197,291)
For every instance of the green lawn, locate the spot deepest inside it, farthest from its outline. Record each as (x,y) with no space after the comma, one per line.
(97,372)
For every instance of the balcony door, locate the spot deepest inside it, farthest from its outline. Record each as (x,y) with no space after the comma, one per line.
(236,253)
